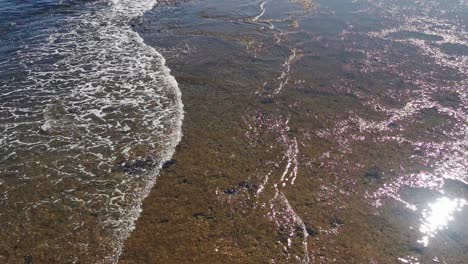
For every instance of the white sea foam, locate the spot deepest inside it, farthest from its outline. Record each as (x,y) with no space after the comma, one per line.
(262,12)
(100,113)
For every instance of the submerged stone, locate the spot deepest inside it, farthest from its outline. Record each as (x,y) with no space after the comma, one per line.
(335,221)
(373,174)
(169,163)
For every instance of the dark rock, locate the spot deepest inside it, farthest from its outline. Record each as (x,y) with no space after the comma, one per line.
(186,181)
(243,185)
(267,101)
(248,186)
(282,236)
(28,260)
(137,166)
(201,215)
(169,163)
(230,191)
(73,110)
(392,125)
(311,231)
(373,174)
(335,221)
(163,221)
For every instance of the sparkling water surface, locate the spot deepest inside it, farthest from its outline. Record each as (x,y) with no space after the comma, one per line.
(376,113)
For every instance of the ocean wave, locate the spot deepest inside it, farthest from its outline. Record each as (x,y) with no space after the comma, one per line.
(87,119)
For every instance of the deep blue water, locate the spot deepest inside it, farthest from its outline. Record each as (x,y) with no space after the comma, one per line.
(25,22)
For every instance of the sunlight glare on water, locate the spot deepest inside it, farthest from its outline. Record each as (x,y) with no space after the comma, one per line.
(438,215)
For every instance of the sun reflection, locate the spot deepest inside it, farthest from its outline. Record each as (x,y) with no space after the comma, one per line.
(438,215)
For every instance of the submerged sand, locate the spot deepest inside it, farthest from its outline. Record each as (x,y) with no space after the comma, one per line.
(289,154)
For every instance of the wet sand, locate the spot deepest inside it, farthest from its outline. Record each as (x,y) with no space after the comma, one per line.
(287,151)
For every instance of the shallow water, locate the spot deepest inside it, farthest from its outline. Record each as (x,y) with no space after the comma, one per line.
(350,128)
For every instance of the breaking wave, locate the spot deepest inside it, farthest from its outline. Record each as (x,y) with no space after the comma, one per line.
(88,115)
